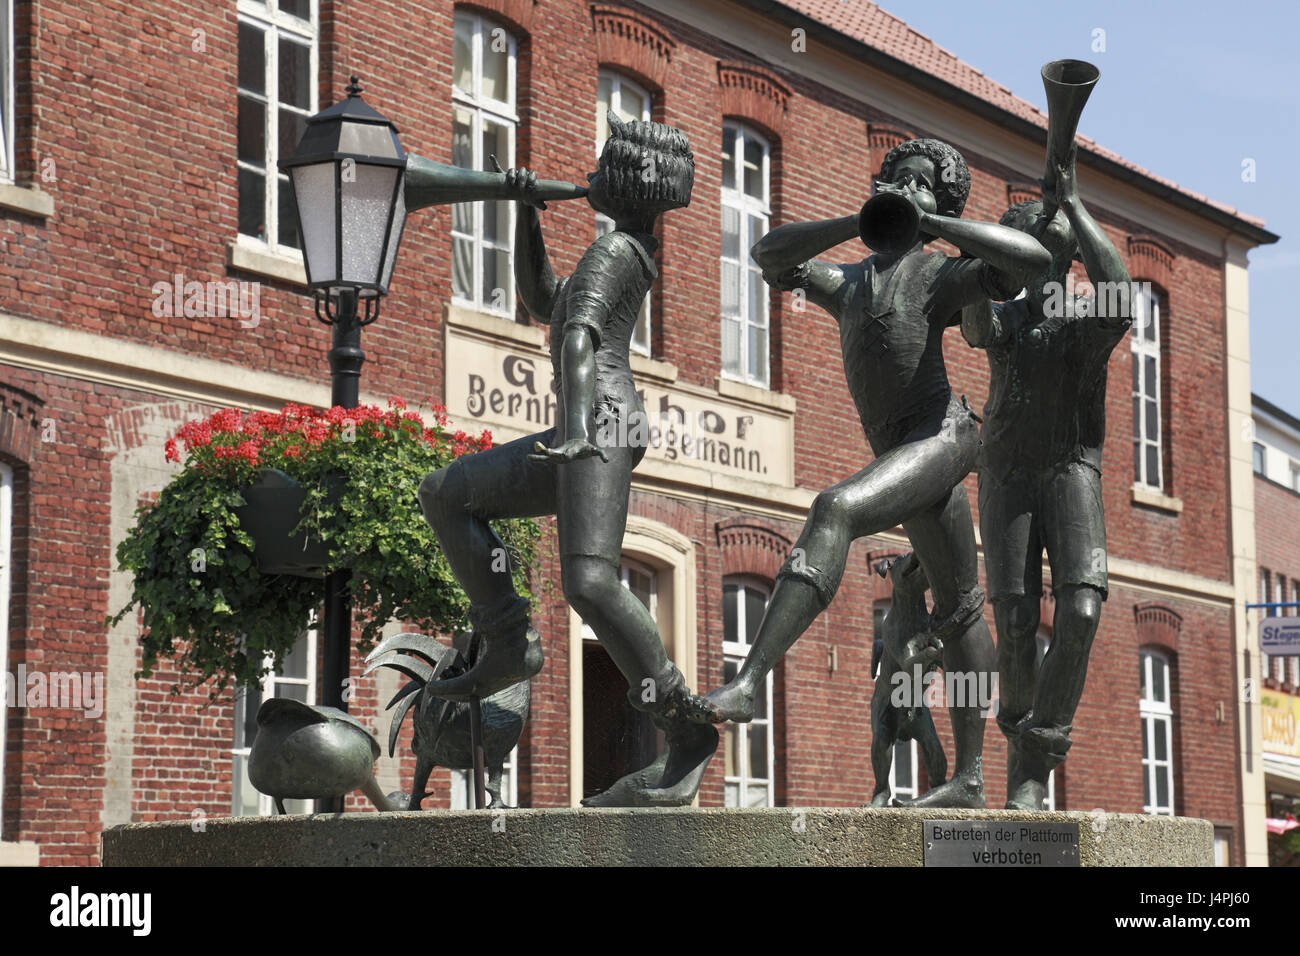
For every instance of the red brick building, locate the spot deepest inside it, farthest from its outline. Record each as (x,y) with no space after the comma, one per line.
(145,152)
(1277,514)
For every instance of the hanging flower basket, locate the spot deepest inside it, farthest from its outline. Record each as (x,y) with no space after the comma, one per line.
(227,564)
(276,508)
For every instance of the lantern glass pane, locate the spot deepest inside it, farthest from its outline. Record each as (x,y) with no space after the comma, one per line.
(314,185)
(394,238)
(366,208)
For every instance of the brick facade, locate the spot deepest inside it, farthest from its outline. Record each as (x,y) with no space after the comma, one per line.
(142,129)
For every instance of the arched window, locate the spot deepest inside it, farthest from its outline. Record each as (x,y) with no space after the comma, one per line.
(746,212)
(629,101)
(750,774)
(1148,449)
(483,126)
(1156,709)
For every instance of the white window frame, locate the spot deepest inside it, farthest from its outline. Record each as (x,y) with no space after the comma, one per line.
(745,206)
(641,336)
(737,651)
(904,789)
(1157,719)
(503,112)
(273,22)
(1259,458)
(6,583)
(1142,348)
(8,92)
(270,688)
(1295,474)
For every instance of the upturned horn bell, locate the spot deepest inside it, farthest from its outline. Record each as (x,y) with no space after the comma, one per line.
(1068,83)
(889,222)
(430,183)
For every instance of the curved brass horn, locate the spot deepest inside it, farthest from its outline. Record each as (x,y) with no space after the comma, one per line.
(889,222)
(430,183)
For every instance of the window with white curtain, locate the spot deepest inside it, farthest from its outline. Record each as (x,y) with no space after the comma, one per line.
(1156,710)
(629,101)
(278,53)
(6,91)
(746,213)
(483,126)
(296,679)
(1145,347)
(749,763)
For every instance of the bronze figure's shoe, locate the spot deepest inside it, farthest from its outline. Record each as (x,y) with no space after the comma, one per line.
(732,702)
(964,791)
(674,778)
(509,652)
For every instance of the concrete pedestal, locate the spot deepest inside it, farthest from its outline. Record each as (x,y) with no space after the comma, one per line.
(657,837)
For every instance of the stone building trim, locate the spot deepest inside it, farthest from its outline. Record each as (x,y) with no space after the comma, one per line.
(751,547)
(633,43)
(1158,625)
(1151,259)
(753,93)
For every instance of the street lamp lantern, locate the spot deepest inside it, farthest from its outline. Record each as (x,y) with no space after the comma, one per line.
(348,174)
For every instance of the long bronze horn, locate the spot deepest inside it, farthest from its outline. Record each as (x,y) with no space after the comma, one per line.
(889,222)
(430,183)
(1068,83)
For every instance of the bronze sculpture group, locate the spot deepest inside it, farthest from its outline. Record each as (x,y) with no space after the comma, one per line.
(1038,457)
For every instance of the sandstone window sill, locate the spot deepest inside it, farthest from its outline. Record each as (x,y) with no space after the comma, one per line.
(1142,495)
(26,199)
(260,259)
(753,395)
(19,854)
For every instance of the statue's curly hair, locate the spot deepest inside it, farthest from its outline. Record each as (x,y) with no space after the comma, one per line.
(952,176)
(647,164)
(1026,212)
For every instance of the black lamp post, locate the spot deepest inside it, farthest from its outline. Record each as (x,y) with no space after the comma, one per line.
(348,174)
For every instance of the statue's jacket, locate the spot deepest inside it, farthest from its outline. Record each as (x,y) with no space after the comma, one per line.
(604,295)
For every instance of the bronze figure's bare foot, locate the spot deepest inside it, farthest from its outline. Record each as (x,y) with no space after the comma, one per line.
(732,702)
(965,791)
(1030,795)
(880,799)
(673,779)
(505,661)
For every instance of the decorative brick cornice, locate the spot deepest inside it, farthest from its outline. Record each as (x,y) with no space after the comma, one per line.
(749,547)
(1158,625)
(518,14)
(881,138)
(1022,192)
(20,423)
(753,93)
(1151,259)
(632,42)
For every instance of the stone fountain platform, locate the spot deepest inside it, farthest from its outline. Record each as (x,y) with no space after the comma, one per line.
(687,836)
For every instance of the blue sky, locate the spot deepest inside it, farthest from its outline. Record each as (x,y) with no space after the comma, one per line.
(1188,90)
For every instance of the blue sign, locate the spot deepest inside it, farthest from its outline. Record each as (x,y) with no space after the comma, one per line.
(1280,636)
